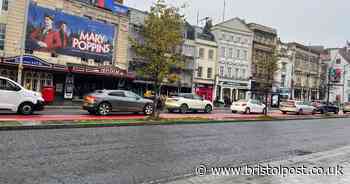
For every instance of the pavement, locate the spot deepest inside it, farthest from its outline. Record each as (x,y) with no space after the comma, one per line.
(161,154)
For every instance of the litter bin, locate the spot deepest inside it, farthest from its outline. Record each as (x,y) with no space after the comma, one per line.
(48,93)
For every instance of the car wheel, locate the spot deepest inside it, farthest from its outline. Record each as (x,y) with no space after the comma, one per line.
(104,109)
(344,112)
(183,109)
(300,112)
(247,111)
(322,111)
(234,112)
(171,111)
(284,112)
(336,112)
(148,110)
(26,109)
(208,109)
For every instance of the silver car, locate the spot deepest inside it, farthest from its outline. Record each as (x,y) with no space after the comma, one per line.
(103,102)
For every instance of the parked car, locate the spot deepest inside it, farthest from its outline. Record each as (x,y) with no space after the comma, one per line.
(15,98)
(346,108)
(103,102)
(298,107)
(185,102)
(322,107)
(248,106)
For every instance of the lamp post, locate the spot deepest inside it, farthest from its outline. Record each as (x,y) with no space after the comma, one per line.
(22,44)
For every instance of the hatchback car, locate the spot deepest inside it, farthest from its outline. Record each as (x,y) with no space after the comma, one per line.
(248,106)
(103,102)
(346,108)
(322,107)
(185,102)
(298,107)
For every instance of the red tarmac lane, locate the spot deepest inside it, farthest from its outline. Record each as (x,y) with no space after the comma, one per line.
(82,117)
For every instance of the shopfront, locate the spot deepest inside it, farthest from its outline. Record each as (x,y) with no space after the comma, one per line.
(70,82)
(233,91)
(205,91)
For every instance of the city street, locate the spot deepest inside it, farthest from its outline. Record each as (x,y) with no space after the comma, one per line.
(157,153)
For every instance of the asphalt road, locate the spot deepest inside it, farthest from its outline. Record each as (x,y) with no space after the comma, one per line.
(143,154)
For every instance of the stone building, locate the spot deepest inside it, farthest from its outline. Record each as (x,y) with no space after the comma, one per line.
(235,41)
(140,85)
(72,45)
(205,62)
(264,44)
(306,72)
(339,64)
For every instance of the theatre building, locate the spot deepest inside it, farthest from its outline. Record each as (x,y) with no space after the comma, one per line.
(76,46)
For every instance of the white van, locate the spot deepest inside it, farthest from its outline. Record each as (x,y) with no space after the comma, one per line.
(15,98)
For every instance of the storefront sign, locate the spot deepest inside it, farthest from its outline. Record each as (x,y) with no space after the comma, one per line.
(32,61)
(54,31)
(104,70)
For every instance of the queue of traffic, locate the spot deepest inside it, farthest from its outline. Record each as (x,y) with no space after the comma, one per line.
(17,99)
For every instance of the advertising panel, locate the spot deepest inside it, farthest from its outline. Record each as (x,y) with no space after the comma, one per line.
(58,32)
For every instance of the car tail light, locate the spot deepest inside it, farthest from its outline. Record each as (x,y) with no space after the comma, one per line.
(90,99)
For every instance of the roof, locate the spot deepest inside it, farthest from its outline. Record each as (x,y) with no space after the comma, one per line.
(305,48)
(226,23)
(255,26)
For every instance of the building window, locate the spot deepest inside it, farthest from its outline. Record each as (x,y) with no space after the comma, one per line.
(211,54)
(284,67)
(223,52)
(223,37)
(283,81)
(230,52)
(237,72)
(209,73)
(244,73)
(232,38)
(229,71)
(5,5)
(199,72)
(245,54)
(201,53)
(338,61)
(221,71)
(238,52)
(2,36)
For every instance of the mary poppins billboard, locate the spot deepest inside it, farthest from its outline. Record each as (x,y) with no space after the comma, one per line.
(57,32)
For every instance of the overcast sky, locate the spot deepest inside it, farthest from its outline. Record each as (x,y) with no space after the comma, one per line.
(315,22)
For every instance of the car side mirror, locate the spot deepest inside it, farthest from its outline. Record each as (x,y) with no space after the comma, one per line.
(138,98)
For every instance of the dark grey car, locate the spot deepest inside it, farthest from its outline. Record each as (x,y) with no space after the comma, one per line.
(103,102)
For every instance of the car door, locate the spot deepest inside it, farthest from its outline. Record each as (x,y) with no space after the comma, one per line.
(10,95)
(118,101)
(198,101)
(133,102)
(308,107)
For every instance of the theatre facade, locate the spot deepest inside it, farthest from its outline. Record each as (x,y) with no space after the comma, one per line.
(74,46)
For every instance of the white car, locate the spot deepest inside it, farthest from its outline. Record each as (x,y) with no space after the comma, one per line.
(298,107)
(15,98)
(185,102)
(248,106)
